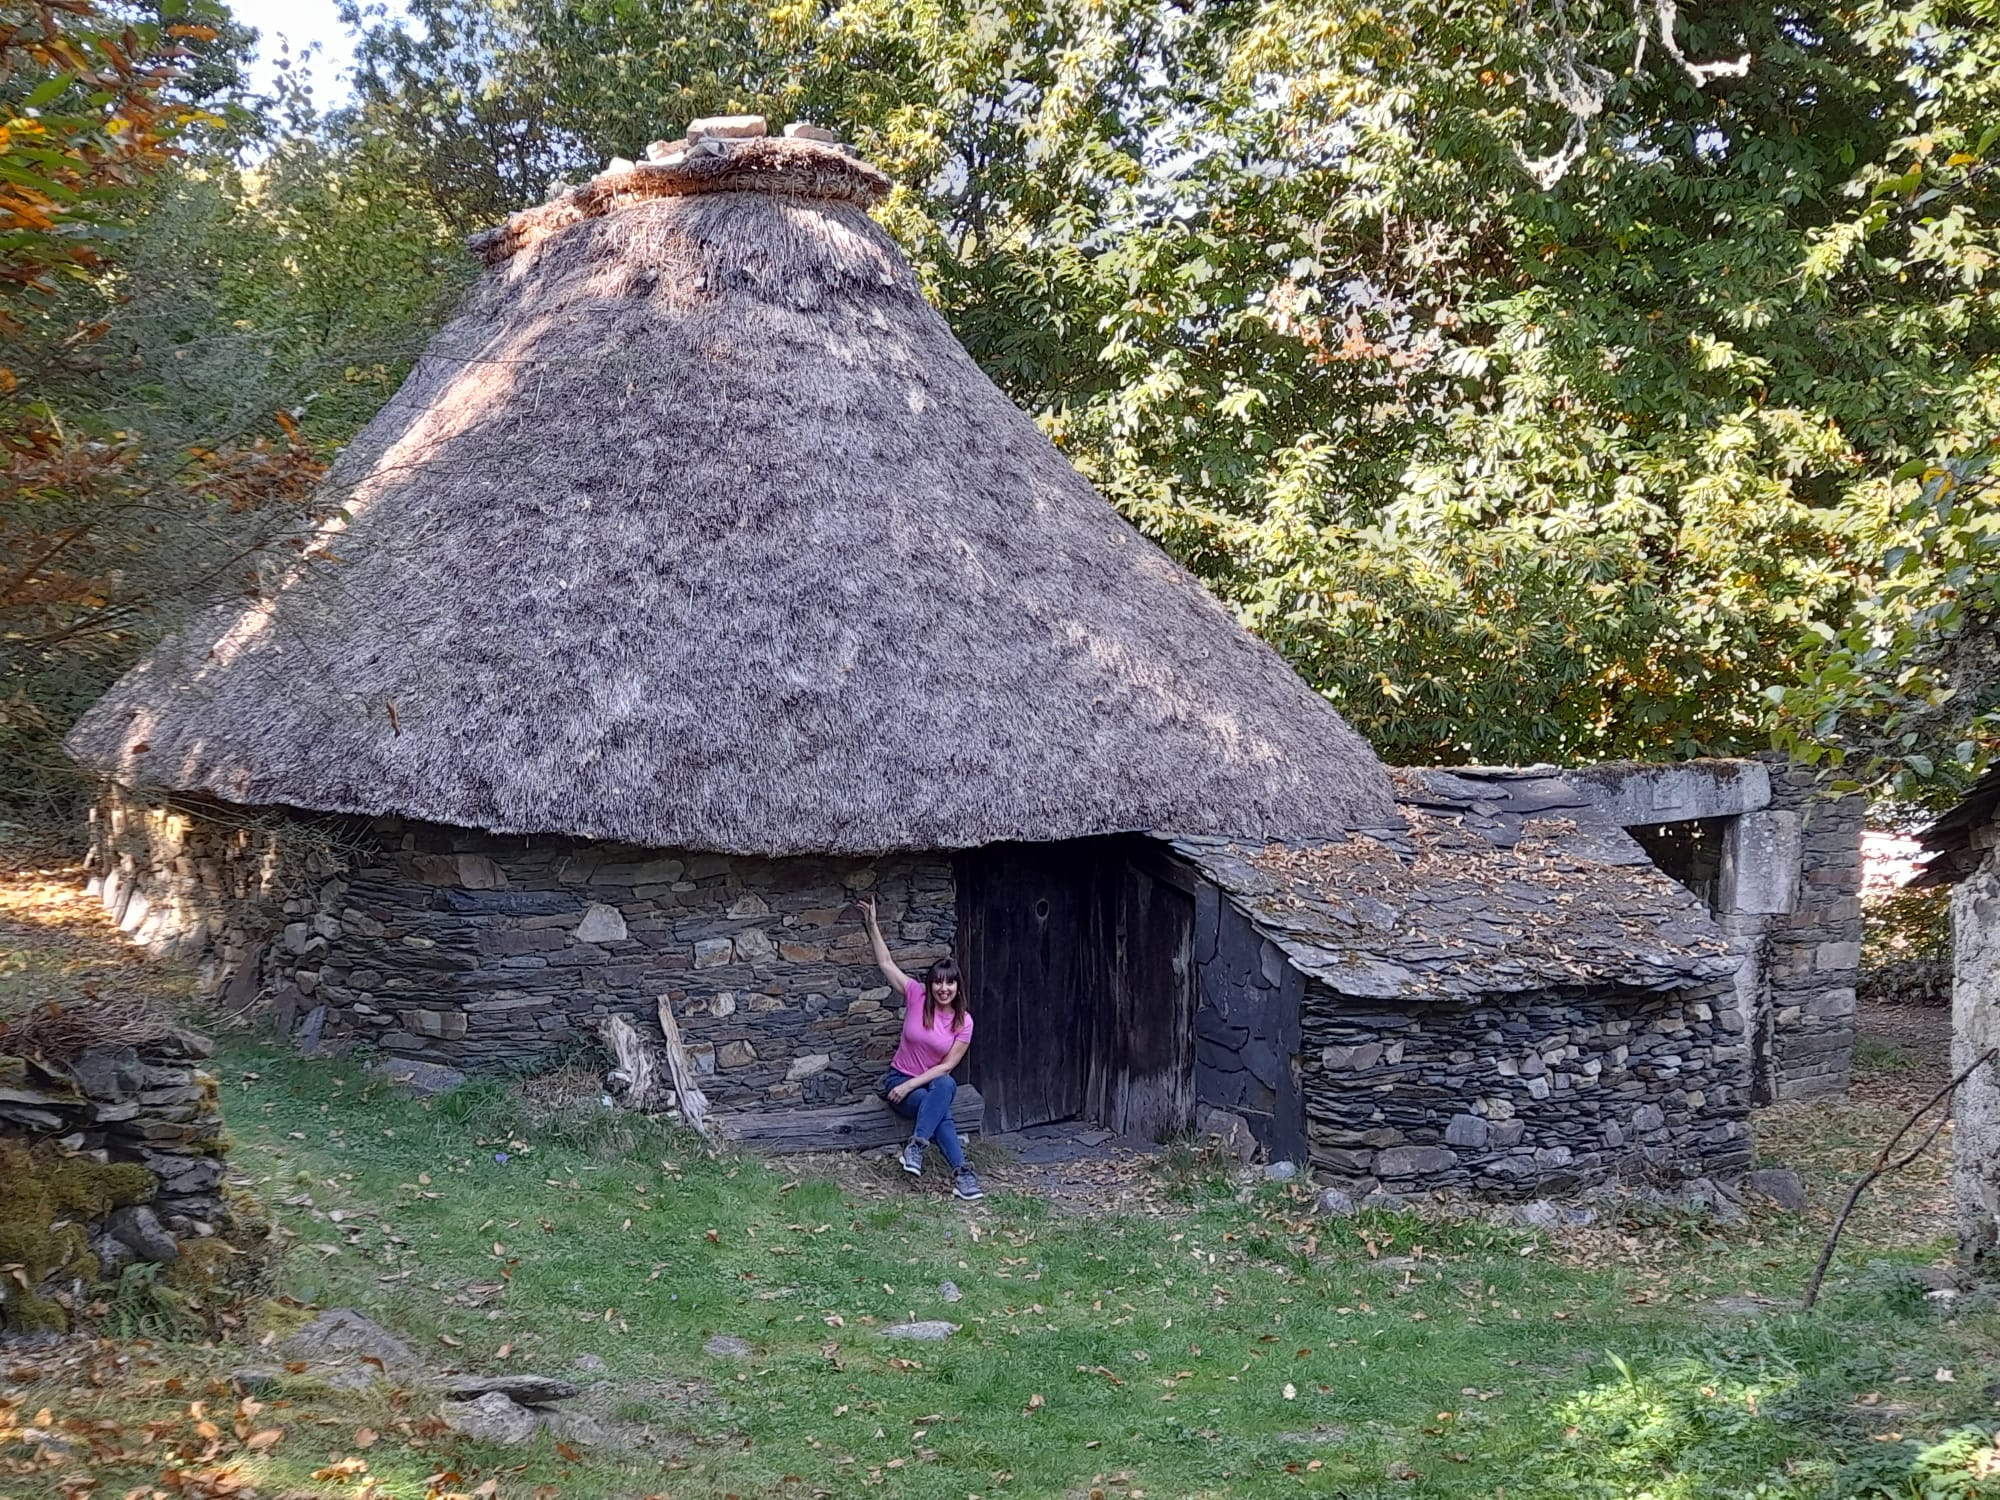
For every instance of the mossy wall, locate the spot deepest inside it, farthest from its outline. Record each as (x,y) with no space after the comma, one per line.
(48,1200)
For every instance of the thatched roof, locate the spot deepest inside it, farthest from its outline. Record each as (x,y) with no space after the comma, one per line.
(1474,898)
(696,527)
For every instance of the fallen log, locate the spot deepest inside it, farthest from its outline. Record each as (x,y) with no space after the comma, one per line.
(839,1127)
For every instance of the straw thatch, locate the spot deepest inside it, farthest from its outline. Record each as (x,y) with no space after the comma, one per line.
(696,527)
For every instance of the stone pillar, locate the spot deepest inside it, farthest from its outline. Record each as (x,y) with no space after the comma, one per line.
(1812,953)
(1756,889)
(1975,999)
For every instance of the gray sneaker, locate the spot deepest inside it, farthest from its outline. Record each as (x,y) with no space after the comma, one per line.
(913,1158)
(967,1186)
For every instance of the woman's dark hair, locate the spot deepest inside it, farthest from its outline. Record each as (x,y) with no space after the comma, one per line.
(942,970)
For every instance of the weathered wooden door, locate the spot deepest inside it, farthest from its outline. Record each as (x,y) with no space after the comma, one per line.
(1027,934)
(1142,1058)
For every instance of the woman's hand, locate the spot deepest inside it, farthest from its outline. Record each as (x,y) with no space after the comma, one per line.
(867,905)
(900,1092)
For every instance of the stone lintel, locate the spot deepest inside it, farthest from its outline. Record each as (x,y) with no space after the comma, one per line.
(1635,794)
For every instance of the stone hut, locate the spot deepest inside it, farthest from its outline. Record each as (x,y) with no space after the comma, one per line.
(697,580)
(1963,849)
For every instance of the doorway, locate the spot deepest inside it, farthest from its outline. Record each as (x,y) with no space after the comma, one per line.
(1080,958)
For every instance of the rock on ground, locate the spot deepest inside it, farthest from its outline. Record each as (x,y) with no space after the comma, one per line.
(139,1229)
(527,1390)
(493,1418)
(948,1291)
(728,1346)
(930,1328)
(423,1079)
(1781,1187)
(340,1332)
(591,1364)
(1231,1132)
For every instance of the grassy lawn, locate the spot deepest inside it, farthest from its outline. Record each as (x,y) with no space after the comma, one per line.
(1229,1345)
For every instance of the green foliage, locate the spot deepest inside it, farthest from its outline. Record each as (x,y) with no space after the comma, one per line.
(1964,1466)
(1907,688)
(140,1306)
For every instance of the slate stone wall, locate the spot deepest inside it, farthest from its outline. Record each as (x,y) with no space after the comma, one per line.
(1812,955)
(1246,1026)
(1526,1095)
(476,950)
(1975,1141)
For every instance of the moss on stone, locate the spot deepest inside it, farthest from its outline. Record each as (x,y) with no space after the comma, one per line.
(47,1199)
(24,1312)
(202,1266)
(277,1320)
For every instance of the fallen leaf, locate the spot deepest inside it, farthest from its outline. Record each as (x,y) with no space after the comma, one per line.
(257,1442)
(364,1437)
(1035,1402)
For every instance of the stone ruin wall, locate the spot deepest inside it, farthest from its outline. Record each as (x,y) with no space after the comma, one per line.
(475,950)
(1811,959)
(202,883)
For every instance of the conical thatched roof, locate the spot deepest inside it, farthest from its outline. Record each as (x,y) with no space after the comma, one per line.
(697,528)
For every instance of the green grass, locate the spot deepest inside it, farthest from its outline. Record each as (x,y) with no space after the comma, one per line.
(1236,1349)
(1882,1057)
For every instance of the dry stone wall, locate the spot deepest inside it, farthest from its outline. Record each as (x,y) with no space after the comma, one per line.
(109,1158)
(474,950)
(203,882)
(1533,1094)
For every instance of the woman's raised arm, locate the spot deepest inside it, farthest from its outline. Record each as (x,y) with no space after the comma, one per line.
(898,980)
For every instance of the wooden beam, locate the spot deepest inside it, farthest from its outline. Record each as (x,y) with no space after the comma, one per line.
(841,1127)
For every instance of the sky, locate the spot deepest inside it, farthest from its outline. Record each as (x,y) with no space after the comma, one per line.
(302,23)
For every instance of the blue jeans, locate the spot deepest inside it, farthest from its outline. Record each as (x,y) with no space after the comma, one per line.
(930,1107)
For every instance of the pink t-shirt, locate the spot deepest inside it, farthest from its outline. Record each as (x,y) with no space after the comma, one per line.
(924,1047)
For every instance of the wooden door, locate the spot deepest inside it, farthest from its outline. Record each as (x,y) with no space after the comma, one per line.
(1142,1053)
(1028,929)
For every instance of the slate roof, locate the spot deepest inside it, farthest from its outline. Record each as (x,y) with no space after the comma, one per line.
(1501,882)
(1956,843)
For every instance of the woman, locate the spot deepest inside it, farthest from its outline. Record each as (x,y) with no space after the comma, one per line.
(937,1030)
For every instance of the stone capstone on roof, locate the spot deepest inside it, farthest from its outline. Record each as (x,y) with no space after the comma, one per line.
(1486,891)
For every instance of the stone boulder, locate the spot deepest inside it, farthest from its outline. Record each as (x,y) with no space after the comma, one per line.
(343,1333)
(493,1418)
(139,1229)
(1780,1187)
(929,1329)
